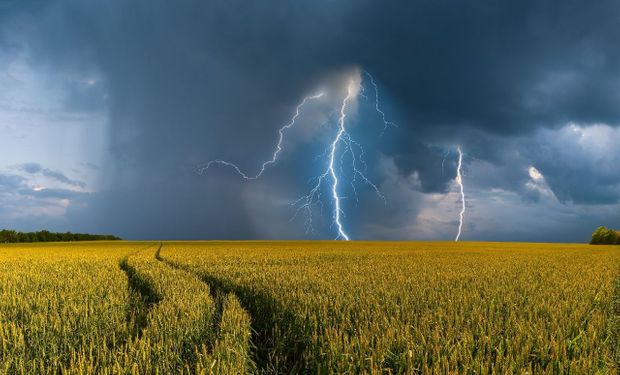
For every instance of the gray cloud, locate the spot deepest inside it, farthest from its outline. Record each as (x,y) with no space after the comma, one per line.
(581,164)
(23,207)
(58,176)
(52,193)
(10,182)
(35,168)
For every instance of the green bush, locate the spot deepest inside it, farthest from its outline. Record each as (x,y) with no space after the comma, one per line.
(605,236)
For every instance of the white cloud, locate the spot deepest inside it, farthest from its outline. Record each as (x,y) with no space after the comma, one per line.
(538,184)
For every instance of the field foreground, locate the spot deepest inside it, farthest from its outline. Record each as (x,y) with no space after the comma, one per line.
(309,307)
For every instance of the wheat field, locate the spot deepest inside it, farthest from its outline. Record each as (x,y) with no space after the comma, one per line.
(309,307)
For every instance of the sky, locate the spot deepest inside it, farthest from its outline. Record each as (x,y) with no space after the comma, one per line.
(110,110)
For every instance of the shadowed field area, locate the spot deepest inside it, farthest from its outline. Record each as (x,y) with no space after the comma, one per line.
(309,307)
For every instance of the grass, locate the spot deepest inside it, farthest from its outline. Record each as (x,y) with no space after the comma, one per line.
(309,307)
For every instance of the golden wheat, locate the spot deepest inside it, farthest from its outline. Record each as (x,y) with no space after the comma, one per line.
(308,307)
(421,307)
(112,308)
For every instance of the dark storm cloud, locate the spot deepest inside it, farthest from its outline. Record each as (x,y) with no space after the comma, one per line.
(190,81)
(503,67)
(493,68)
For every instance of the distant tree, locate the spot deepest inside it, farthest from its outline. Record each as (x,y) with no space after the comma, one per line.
(8,236)
(44,236)
(23,237)
(11,236)
(597,236)
(605,236)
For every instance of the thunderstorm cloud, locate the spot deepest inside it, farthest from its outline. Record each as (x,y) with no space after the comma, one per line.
(107,109)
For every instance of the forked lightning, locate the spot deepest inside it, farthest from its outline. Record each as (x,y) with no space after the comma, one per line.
(341,146)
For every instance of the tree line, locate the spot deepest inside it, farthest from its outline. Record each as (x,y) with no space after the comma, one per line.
(605,236)
(11,236)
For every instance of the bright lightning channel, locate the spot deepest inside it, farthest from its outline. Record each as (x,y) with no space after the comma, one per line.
(332,156)
(274,157)
(351,147)
(386,123)
(306,202)
(459,181)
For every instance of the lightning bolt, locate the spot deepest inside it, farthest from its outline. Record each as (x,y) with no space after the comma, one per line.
(332,155)
(459,181)
(386,123)
(276,152)
(313,198)
(340,149)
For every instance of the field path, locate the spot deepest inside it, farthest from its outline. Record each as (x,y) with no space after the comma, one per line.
(266,313)
(142,295)
(171,313)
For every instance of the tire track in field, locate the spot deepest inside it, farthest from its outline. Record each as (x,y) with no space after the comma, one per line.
(217,296)
(142,295)
(271,353)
